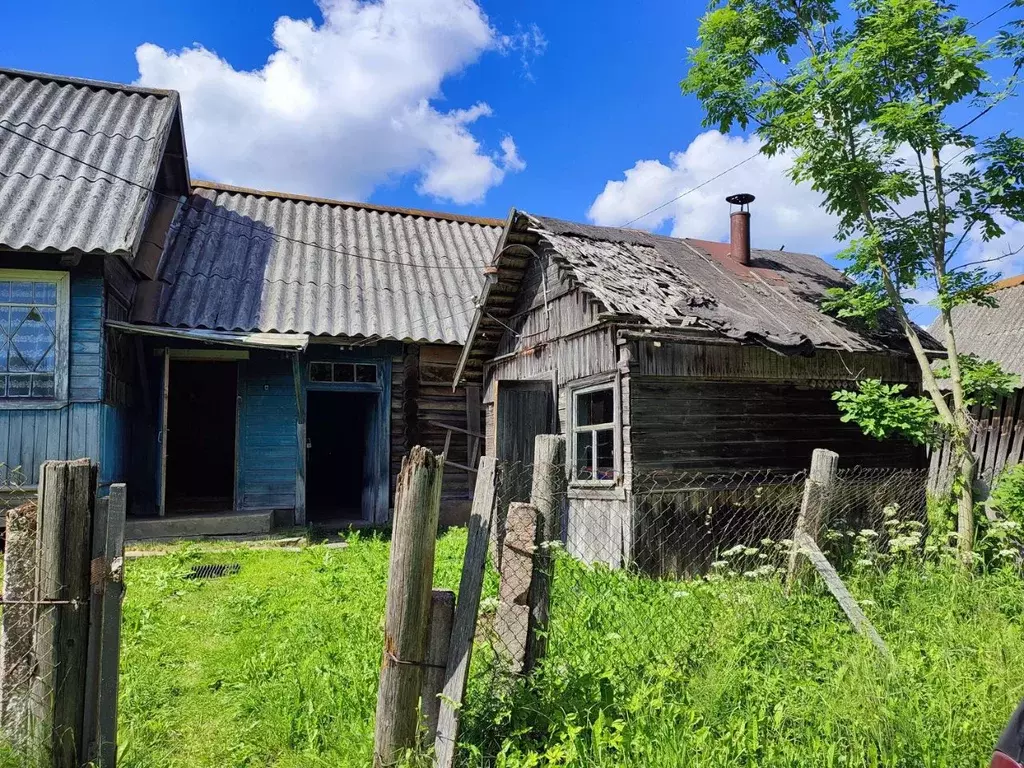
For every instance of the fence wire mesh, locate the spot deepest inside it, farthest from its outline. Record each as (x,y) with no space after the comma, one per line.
(620,557)
(33,608)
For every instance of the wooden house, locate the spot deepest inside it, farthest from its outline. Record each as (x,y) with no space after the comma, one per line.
(238,357)
(654,354)
(991,333)
(84,170)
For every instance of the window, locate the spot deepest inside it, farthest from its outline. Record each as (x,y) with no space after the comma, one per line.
(33,333)
(343,373)
(594,438)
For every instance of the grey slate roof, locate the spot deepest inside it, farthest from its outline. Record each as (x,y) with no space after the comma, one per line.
(258,261)
(49,202)
(993,334)
(664,281)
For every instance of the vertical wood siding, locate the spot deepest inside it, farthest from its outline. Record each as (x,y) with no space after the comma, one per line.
(86,364)
(268,448)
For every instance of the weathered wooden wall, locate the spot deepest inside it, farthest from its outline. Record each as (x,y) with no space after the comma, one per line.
(997,441)
(682,424)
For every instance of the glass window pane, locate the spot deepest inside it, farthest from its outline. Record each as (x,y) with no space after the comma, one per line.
(21,292)
(46,293)
(33,339)
(42,385)
(5,291)
(584,455)
(319,371)
(605,469)
(595,407)
(366,373)
(3,355)
(343,372)
(3,386)
(5,320)
(19,386)
(16,362)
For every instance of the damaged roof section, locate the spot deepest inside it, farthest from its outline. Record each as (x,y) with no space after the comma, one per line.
(665,281)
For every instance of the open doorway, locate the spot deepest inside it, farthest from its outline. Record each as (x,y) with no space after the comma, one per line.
(337,438)
(201,436)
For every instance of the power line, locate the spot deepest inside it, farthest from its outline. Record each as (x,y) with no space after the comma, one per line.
(994,13)
(213,214)
(692,189)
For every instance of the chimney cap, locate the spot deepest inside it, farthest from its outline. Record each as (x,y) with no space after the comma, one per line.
(743,198)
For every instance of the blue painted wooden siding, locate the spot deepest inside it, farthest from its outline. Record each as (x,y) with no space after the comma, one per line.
(267,440)
(85,369)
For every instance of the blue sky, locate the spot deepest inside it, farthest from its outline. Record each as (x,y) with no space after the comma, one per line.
(569,109)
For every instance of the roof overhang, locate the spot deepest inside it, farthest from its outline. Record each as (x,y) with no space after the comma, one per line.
(288,342)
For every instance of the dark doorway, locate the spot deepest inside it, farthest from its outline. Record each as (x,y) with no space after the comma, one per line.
(337,432)
(201,436)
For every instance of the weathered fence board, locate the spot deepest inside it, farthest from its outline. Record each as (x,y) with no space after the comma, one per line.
(410,573)
(548,497)
(513,620)
(16,638)
(439,633)
(464,626)
(824,466)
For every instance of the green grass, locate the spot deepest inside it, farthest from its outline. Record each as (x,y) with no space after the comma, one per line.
(278,665)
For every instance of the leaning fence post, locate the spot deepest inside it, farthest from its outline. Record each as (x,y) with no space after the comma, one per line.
(466,609)
(410,573)
(824,465)
(16,656)
(547,496)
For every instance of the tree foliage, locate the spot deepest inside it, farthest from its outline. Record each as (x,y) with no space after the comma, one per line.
(876,104)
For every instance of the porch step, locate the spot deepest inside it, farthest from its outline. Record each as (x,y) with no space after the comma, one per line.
(198,526)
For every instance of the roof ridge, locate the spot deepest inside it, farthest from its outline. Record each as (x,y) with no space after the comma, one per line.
(1006,282)
(417,212)
(102,85)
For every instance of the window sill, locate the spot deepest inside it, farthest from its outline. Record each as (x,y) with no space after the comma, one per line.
(32,405)
(597,492)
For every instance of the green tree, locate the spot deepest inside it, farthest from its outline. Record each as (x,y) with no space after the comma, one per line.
(876,103)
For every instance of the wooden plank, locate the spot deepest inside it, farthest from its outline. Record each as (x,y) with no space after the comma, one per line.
(91,715)
(464,624)
(474,428)
(439,633)
(16,638)
(72,637)
(547,496)
(408,602)
(1010,416)
(300,437)
(111,597)
(839,591)
(824,466)
(164,398)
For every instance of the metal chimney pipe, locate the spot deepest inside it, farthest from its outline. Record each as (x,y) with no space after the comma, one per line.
(739,228)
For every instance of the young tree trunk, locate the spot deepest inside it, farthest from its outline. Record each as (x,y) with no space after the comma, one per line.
(965,501)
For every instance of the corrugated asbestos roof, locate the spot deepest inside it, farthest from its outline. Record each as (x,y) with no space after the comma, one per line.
(665,280)
(49,202)
(244,260)
(993,333)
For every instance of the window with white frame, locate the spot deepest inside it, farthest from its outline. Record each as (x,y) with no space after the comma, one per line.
(594,440)
(33,335)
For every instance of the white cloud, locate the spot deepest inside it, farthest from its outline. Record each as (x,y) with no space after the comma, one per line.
(783,214)
(343,106)
(1003,255)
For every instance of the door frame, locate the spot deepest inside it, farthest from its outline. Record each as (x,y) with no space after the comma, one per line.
(377,462)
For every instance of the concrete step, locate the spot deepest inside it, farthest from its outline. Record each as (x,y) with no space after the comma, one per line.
(198,526)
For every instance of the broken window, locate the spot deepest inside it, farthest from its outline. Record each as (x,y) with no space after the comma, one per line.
(594,424)
(343,373)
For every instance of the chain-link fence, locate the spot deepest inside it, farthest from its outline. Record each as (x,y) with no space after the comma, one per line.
(623,556)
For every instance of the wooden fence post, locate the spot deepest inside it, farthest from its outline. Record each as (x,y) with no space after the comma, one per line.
(466,609)
(410,573)
(547,496)
(105,629)
(66,498)
(16,638)
(439,634)
(513,619)
(819,482)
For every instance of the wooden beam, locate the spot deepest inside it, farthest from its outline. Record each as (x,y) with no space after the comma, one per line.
(300,438)
(439,634)
(824,466)
(547,496)
(410,573)
(464,625)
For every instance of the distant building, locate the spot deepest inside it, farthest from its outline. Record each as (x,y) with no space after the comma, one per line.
(992,334)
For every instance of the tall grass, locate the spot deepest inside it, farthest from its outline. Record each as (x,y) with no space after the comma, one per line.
(278,665)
